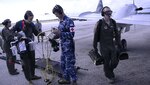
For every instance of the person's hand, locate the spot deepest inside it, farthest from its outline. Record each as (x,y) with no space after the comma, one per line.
(55,31)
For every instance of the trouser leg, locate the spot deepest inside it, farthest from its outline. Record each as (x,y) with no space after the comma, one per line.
(63,67)
(32,62)
(67,66)
(10,66)
(108,71)
(10,61)
(70,68)
(26,65)
(68,60)
(114,59)
(107,59)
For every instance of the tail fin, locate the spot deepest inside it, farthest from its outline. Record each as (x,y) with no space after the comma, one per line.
(98,10)
(99,6)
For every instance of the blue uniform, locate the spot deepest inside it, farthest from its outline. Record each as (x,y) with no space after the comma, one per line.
(66,26)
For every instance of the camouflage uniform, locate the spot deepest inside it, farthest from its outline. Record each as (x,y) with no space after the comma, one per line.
(68,49)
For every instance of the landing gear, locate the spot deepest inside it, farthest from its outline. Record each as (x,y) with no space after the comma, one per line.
(123,41)
(124,45)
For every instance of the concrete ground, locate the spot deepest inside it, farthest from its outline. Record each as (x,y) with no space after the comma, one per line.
(134,71)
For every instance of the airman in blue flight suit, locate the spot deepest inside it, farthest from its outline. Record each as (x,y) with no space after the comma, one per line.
(66,31)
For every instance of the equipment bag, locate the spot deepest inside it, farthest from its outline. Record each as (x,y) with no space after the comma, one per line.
(123,56)
(96,57)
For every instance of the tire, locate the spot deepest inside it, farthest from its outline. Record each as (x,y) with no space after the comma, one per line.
(124,44)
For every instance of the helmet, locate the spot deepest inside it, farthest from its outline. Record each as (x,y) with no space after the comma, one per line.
(102,11)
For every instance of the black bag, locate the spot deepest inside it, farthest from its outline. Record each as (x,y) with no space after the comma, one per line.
(123,56)
(96,57)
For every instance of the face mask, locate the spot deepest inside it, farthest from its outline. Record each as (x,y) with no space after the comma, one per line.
(108,13)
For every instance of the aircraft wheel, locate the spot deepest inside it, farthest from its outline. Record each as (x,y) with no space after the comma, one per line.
(124,44)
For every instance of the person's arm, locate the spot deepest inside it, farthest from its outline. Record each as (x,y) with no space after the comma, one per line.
(17,28)
(71,32)
(96,36)
(8,35)
(35,31)
(117,35)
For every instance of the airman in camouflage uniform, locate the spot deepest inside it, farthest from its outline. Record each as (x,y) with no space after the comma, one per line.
(66,29)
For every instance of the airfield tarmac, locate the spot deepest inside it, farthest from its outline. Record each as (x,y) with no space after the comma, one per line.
(134,71)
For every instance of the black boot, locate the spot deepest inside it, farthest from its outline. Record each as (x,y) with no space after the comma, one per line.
(35,77)
(14,73)
(63,81)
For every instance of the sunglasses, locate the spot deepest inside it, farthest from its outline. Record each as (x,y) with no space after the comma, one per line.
(108,11)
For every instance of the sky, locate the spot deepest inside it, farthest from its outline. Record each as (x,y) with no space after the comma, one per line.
(15,9)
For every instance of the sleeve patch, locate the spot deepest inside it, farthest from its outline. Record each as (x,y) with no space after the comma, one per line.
(72,29)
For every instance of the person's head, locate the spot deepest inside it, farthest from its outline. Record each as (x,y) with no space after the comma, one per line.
(106,12)
(28,16)
(7,23)
(58,11)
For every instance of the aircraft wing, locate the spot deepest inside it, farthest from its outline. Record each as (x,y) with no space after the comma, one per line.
(140,19)
(92,16)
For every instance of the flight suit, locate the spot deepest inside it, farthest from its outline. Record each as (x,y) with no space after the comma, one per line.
(8,36)
(66,28)
(27,57)
(105,35)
